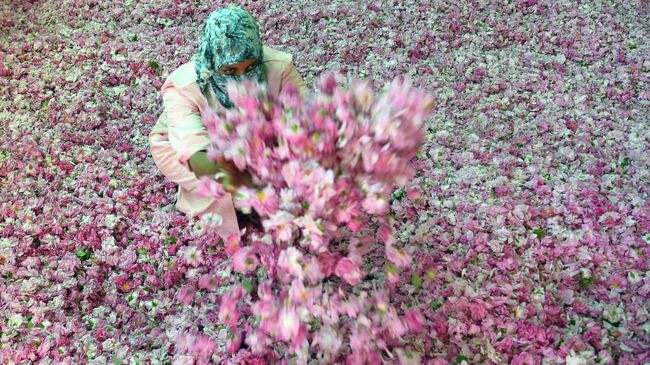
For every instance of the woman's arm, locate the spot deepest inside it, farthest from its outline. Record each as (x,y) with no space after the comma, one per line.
(292,76)
(201,165)
(188,137)
(186,131)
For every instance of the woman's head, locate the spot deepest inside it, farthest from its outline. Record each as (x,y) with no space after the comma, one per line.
(230,49)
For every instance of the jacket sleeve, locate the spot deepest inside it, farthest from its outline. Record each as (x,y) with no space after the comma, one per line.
(291,76)
(186,131)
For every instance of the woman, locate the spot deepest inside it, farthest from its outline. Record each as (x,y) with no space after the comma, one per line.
(230,49)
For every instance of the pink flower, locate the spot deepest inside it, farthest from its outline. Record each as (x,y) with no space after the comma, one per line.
(233,343)
(414,195)
(394,324)
(311,232)
(327,262)
(392,274)
(399,257)
(266,202)
(228,312)
(355,224)
(360,246)
(298,293)
(291,261)
(244,260)
(414,319)
(128,258)
(208,282)
(210,188)
(186,295)
(375,203)
(257,341)
(282,223)
(348,270)
(314,271)
(523,358)
(184,360)
(288,323)
(193,256)
(203,347)
(478,311)
(328,340)
(385,234)
(347,211)
(232,244)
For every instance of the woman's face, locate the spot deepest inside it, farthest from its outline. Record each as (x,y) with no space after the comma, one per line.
(240,68)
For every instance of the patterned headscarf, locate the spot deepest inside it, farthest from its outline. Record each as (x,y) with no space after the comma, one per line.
(229,35)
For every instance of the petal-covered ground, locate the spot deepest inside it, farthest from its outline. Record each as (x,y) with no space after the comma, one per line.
(528,220)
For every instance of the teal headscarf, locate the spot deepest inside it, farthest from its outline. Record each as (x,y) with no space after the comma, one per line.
(229,35)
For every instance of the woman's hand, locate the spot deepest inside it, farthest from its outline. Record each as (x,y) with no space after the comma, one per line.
(235,178)
(201,165)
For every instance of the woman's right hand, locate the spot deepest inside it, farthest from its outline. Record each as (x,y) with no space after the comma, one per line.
(232,178)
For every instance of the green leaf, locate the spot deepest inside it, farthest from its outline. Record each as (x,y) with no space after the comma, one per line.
(171,240)
(248,285)
(83,254)
(142,251)
(153,65)
(399,194)
(585,283)
(539,233)
(626,162)
(416,280)
(461,358)
(435,305)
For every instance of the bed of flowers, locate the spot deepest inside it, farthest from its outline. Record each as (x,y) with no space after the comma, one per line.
(527,219)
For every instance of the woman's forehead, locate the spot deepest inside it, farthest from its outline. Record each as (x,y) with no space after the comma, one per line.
(243,62)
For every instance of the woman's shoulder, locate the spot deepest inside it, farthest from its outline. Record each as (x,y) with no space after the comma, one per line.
(272,55)
(184,75)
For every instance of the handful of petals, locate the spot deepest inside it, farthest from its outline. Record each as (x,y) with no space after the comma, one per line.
(327,161)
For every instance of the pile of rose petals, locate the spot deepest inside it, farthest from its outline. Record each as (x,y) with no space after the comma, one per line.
(528,219)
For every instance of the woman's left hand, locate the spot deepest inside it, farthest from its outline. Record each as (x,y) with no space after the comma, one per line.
(234,178)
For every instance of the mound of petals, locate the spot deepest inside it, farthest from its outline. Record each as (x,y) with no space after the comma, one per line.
(527,220)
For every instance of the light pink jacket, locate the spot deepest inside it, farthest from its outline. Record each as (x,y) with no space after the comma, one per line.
(179,132)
